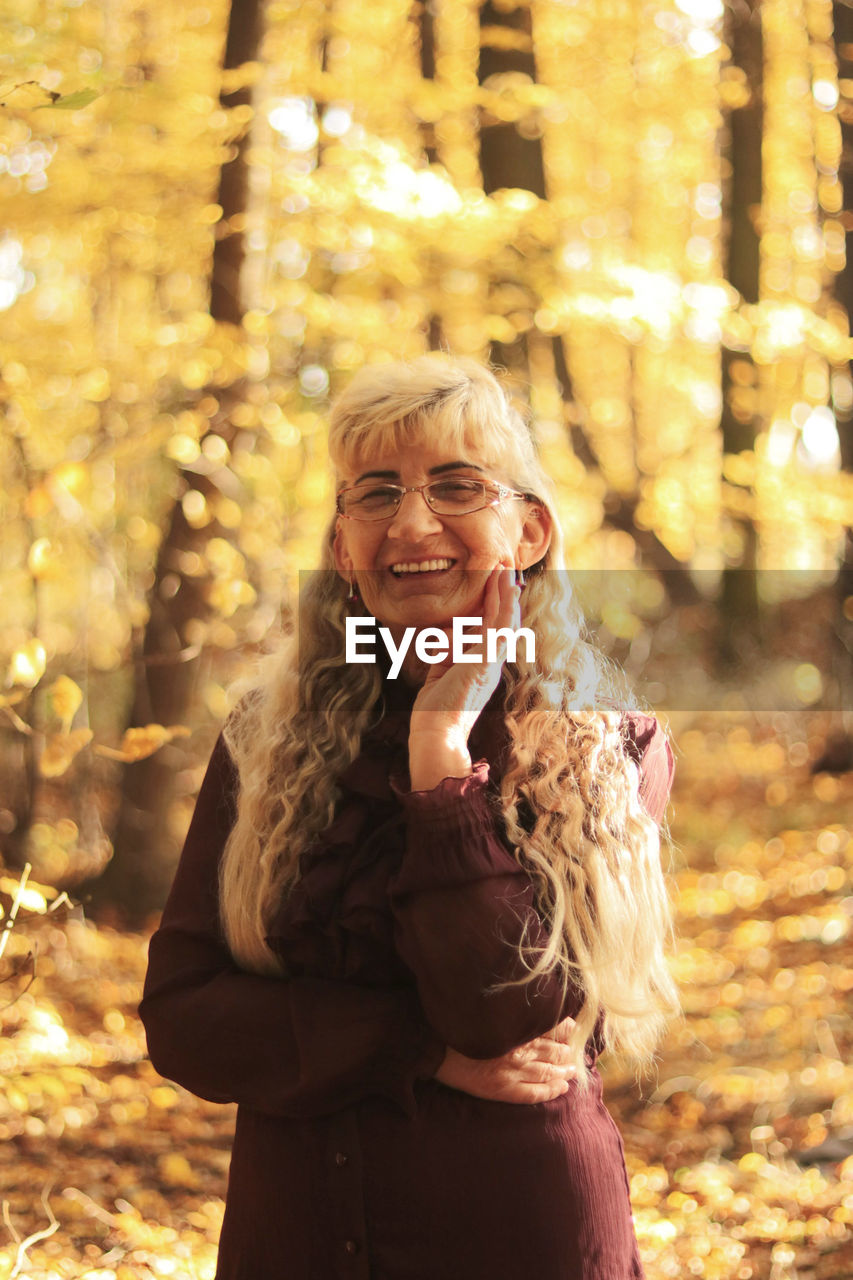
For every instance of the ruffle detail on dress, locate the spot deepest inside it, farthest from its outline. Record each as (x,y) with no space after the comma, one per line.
(342,892)
(335,922)
(447,795)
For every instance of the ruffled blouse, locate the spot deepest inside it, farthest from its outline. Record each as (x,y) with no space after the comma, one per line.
(399,939)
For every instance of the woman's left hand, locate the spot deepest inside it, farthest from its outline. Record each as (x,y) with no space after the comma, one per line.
(455,693)
(538,1071)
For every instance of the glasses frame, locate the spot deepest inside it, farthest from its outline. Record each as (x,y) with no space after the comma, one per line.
(499,491)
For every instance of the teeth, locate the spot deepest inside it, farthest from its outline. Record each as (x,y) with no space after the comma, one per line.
(422,566)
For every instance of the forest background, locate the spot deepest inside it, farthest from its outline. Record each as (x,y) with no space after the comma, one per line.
(213,214)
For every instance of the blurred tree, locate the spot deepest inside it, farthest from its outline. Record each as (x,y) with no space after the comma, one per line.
(741,414)
(166,669)
(426,40)
(20,726)
(526,178)
(843,391)
(508,156)
(843,400)
(510,151)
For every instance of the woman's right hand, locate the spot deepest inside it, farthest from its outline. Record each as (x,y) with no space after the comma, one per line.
(538,1071)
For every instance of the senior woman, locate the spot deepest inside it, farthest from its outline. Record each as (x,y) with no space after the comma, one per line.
(410,912)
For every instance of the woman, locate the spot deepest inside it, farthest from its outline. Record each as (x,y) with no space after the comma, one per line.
(407,904)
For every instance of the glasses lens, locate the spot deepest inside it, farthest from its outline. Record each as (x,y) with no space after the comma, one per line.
(370,501)
(456,496)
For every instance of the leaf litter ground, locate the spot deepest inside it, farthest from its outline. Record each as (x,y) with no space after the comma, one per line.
(739,1151)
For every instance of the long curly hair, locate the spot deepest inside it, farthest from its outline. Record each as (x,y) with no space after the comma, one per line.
(569,797)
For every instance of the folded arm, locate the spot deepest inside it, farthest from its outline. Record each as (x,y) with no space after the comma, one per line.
(292,1047)
(462,903)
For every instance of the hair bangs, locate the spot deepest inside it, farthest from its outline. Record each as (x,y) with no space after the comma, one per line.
(457,407)
(450,433)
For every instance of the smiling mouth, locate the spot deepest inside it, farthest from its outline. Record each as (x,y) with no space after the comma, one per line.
(405,568)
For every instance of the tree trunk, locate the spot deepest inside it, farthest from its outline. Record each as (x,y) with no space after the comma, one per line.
(137,879)
(738,608)
(426,28)
(510,159)
(507,157)
(843,18)
(18,773)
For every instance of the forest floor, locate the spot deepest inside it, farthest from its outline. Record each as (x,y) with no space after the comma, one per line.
(740,1151)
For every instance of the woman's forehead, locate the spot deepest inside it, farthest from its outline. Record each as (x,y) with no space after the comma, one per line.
(393,451)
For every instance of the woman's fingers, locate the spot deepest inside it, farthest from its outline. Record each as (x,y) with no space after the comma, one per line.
(548,1073)
(539,1070)
(551,1051)
(530,1093)
(535,1072)
(461,690)
(507,598)
(537,1080)
(541,1050)
(547,1068)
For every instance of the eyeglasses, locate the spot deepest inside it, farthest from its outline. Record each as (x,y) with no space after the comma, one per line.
(452,497)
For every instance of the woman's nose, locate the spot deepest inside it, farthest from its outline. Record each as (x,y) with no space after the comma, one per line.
(413,519)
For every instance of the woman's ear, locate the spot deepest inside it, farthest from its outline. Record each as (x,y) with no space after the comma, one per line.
(535,535)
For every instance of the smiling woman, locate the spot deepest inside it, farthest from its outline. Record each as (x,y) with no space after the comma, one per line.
(421,550)
(407,903)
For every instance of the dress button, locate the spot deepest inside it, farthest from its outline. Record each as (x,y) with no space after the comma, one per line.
(351,1246)
(341,1159)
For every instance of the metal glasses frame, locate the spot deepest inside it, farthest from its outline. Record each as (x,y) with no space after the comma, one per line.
(500,491)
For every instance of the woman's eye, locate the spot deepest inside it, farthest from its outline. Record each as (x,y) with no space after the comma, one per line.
(375,496)
(456,490)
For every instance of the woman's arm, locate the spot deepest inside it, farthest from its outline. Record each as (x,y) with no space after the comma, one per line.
(462,904)
(299,1047)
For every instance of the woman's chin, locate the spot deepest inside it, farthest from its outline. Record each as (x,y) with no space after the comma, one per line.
(398,620)
(421,612)
(421,605)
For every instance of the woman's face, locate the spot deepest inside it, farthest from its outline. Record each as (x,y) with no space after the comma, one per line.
(389,559)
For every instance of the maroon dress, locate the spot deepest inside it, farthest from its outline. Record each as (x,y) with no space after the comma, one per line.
(350,1159)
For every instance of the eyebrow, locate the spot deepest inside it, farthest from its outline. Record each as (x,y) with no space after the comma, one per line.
(458,465)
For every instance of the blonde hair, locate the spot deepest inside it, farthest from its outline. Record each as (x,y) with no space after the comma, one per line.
(570,794)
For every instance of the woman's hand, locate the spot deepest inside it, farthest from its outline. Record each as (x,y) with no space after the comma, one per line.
(538,1071)
(454,694)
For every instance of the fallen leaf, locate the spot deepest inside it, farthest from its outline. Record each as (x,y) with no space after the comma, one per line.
(141,742)
(71,101)
(60,749)
(65,699)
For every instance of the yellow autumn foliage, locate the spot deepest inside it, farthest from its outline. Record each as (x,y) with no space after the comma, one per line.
(719,1145)
(60,750)
(144,741)
(65,698)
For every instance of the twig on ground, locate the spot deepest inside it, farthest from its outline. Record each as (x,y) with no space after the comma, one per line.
(53,1225)
(91,1206)
(9,922)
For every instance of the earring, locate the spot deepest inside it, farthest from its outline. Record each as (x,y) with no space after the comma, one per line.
(353,590)
(519,577)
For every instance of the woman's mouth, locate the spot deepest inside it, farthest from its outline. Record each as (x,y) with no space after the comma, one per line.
(403,568)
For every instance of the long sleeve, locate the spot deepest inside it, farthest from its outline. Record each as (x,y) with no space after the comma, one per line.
(461,904)
(290,1047)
